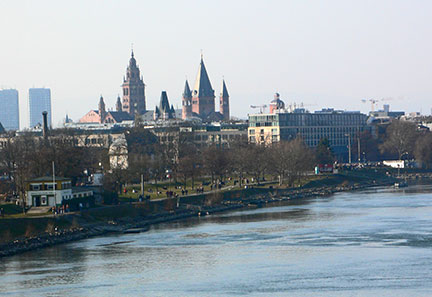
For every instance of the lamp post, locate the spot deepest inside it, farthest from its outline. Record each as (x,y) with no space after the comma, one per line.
(54,184)
(358,149)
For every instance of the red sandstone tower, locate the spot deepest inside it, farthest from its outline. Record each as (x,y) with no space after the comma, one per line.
(224,102)
(203,98)
(133,90)
(186,102)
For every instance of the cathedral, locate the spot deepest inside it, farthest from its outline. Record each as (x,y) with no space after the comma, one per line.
(133,91)
(196,103)
(200,102)
(133,102)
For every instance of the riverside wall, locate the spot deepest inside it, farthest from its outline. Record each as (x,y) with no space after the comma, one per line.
(109,219)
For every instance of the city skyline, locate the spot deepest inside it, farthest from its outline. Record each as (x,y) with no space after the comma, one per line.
(330,54)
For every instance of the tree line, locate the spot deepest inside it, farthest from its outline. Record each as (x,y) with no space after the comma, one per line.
(182,161)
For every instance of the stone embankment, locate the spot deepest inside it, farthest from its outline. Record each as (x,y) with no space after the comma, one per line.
(64,236)
(414,176)
(120,225)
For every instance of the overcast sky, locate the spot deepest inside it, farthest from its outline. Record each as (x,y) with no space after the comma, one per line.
(322,53)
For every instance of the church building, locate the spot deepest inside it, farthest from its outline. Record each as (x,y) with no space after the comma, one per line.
(133,90)
(200,102)
(102,116)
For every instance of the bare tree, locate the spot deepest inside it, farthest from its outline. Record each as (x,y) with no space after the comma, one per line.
(400,138)
(423,150)
(215,161)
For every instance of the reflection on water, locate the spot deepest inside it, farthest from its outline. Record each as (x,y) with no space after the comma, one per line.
(372,243)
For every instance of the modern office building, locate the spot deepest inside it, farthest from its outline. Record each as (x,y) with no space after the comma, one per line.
(9,109)
(39,101)
(339,127)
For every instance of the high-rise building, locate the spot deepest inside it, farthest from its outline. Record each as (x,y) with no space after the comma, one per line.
(133,90)
(39,101)
(9,109)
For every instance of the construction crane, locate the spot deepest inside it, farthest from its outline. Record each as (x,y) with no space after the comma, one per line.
(261,107)
(375,101)
(372,101)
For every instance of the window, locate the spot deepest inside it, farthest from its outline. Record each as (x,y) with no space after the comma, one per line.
(50,186)
(35,187)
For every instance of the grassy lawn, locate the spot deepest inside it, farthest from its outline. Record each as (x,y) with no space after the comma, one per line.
(159,191)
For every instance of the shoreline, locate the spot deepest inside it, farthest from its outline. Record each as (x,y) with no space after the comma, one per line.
(262,199)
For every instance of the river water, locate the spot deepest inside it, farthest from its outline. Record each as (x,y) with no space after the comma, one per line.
(376,242)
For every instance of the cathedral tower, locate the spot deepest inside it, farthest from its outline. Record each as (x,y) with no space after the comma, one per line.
(118,104)
(203,98)
(186,102)
(101,109)
(224,102)
(133,90)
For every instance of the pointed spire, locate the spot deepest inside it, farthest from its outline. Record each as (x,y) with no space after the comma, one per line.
(164,104)
(118,104)
(187,92)
(132,61)
(202,86)
(224,91)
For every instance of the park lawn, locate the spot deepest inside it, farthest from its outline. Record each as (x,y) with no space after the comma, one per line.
(151,189)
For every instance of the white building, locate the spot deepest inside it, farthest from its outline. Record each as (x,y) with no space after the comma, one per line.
(39,101)
(9,109)
(42,192)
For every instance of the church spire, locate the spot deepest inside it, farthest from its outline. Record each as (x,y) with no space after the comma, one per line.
(202,84)
(133,101)
(118,104)
(102,111)
(224,102)
(187,92)
(224,91)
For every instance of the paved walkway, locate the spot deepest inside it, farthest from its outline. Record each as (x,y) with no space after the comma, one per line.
(43,210)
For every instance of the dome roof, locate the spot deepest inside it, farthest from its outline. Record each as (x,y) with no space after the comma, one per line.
(277,102)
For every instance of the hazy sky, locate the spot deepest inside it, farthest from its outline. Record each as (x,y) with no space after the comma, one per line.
(322,53)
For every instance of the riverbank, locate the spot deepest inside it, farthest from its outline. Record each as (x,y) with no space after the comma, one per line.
(109,219)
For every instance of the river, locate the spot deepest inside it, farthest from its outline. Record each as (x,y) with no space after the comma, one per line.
(376,242)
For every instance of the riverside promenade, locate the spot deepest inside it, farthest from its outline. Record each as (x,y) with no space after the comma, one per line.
(119,218)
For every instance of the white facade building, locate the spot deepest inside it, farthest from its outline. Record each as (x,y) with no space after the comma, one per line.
(9,109)
(39,101)
(43,191)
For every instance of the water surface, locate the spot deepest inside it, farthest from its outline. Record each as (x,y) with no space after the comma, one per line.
(370,243)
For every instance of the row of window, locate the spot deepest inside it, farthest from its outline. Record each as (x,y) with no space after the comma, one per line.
(49,186)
